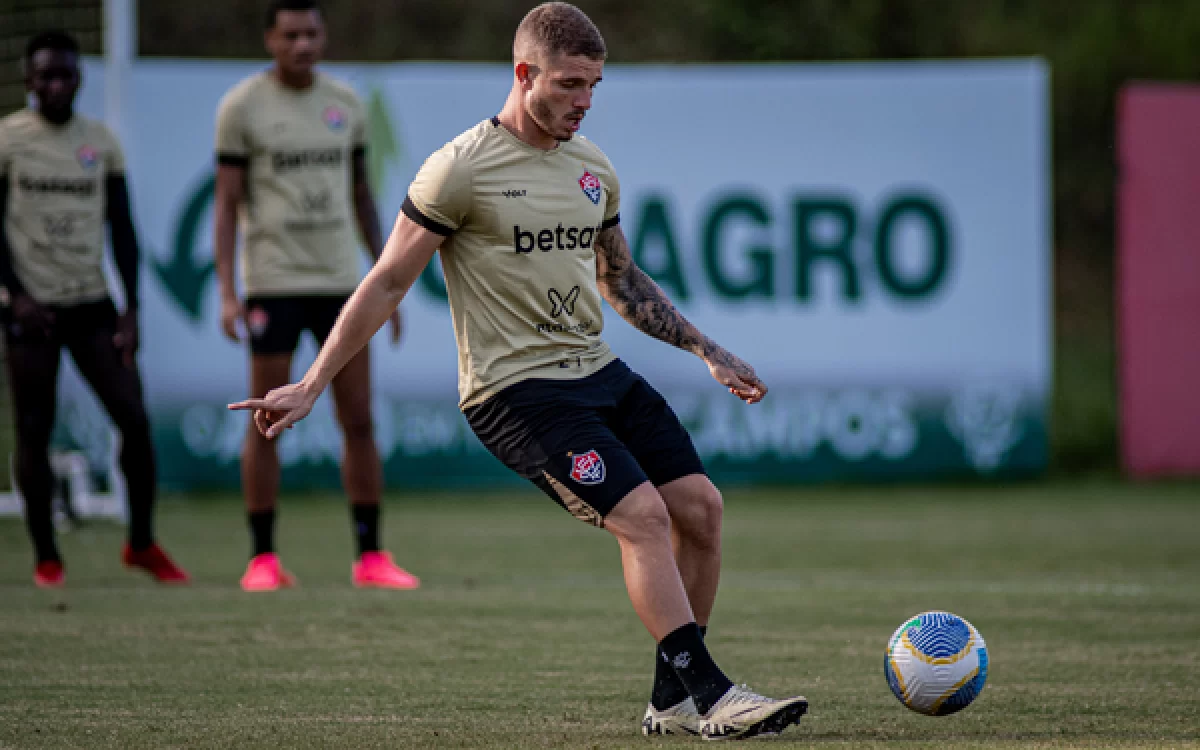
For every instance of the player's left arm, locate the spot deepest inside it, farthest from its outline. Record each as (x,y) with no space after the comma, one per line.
(126,255)
(367,217)
(639,300)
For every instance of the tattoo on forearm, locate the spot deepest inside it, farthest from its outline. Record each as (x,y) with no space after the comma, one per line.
(639,300)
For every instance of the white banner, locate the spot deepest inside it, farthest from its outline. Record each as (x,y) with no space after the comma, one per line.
(875,235)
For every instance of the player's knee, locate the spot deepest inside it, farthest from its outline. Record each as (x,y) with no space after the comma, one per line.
(709,508)
(357,427)
(641,516)
(132,422)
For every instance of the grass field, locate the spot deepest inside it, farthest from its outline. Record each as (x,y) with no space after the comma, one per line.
(1088,596)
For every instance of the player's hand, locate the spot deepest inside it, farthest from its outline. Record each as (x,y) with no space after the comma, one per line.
(31,316)
(232,313)
(279,409)
(396,326)
(736,375)
(126,338)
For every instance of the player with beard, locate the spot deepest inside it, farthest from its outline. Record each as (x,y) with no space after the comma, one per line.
(526,214)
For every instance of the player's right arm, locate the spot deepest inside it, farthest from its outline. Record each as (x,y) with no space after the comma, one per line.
(407,252)
(25,309)
(233,155)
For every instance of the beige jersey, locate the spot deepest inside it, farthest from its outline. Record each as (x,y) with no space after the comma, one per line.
(519,256)
(56,204)
(298,222)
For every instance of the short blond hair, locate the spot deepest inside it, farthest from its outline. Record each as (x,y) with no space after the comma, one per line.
(558,29)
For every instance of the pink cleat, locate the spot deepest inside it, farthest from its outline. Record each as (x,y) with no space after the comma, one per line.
(154,561)
(266,573)
(48,574)
(376,570)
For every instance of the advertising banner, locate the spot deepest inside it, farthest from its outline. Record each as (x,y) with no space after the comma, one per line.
(874,239)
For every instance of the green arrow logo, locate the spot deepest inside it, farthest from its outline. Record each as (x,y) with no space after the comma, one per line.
(183,278)
(381,138)
(384,148)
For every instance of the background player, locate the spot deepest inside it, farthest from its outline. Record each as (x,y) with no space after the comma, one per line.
(527,219)
(291,145)
(62,176)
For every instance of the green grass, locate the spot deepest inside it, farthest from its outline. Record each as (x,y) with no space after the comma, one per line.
(1088,596)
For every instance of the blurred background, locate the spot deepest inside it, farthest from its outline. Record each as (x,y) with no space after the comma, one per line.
(1090,48)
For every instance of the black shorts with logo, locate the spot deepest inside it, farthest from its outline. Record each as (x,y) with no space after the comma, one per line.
(589,442)
(275,323)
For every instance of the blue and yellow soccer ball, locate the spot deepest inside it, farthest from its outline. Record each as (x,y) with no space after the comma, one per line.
(936,663)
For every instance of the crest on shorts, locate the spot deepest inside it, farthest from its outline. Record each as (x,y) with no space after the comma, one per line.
(257,321)
(591,186)
(334,117)
(587,468)
(87,156)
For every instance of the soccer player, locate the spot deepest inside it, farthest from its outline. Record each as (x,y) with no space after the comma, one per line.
(526,216)
(62,177)
(291,158)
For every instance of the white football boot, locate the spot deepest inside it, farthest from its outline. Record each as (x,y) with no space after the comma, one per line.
(741,714)
(682,718)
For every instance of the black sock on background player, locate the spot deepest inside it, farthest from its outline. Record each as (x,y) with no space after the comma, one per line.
(685,651)
(262,531)
(366,527)
(668,689)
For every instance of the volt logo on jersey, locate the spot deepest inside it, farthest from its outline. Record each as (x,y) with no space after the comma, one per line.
(88,157)
(591,186)
(587,468)
(560,304)
(334,118)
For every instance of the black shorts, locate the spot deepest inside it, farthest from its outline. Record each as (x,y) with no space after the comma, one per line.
(275,323)
(587,443)
(71,322)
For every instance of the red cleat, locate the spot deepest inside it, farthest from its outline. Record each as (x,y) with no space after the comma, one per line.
(376,570)
(154,561)
(48,574)
(266,573)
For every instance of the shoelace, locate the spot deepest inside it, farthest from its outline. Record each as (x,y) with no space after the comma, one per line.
(745,695)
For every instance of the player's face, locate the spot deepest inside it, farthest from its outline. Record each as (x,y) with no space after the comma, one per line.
(558,96)
(53,79)
(297,40)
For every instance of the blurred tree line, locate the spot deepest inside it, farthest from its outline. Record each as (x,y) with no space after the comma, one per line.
(1093,47)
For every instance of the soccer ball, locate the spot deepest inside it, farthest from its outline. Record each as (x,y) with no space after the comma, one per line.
(936,663)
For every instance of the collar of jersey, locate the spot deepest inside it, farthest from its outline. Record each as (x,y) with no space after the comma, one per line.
(506,133)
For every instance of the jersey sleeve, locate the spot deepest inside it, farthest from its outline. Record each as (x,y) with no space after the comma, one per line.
(5,149)
(440,195)
(612,204)
(232,146)
(358,118)
(114,157)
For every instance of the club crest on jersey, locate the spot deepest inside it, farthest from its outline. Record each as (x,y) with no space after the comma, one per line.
(87,156)
(334,117)
(587,468)
(591,186)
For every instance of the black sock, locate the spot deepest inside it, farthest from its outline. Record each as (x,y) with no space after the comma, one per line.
(685,650)
(668,689)
(262,531)
(141,526)
(366,527)
(39,519)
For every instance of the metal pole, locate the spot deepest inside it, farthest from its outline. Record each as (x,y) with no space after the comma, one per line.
(120,49)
